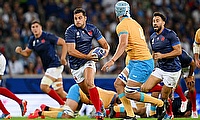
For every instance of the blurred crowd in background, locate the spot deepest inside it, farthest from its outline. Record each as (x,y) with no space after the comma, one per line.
(183,16)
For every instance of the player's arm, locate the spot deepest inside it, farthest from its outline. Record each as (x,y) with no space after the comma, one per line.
(73,52)
(192,68)
(196,48)
(104,44)
(26,52)
(177,50)
(123,41)
(61,42)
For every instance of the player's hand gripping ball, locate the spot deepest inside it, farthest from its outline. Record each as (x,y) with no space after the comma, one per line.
(98,53)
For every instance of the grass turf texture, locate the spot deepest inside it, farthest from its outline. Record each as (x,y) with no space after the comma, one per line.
(86,118)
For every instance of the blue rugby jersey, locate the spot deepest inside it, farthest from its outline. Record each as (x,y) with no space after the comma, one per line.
(44,46)
(82,38)
(185,59)
(163,43)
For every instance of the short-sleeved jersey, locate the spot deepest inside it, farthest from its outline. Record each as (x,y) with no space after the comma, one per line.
(197,36)
(185,59)
(44,46)
(82,38)
(164,43)
(137,48)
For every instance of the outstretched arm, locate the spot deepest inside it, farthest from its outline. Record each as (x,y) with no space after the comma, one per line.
(26,52)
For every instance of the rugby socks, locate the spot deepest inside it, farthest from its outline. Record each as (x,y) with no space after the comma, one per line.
(169,108)
(149,99)
(152,110)
(193,100)
(156,88)
(56,97)
(179,91)
(3,109)
(5,92)
(127,105)
(52,114)
(94,97)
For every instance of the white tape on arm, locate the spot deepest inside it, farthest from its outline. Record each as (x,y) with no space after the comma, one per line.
(196,48)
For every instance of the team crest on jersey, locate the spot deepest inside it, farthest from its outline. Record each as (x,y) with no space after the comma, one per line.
(43,41)
(162,38)
(90,32)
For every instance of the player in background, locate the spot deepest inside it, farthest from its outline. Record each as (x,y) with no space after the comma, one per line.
(166,48)
(188,67)
(5,92)
(75,99)
(79,38)
(140,65)
(43,43)
(196,48)
(196,51)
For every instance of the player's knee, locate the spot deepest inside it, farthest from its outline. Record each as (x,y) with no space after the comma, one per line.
(131,90)
(57,85)
(144,88)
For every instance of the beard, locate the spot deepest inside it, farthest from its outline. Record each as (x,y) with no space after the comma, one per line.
(157,29)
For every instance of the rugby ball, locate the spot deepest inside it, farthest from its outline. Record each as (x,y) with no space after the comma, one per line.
(98,52)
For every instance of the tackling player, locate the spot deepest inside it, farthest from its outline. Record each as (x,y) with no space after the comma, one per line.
(75,98)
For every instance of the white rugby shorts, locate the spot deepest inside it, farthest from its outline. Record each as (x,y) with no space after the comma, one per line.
(78,75)
(55,72)
(170,79)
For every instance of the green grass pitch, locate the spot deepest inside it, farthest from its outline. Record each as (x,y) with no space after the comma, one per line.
(86,118)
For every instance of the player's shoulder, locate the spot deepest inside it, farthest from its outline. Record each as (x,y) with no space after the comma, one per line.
(71,27)
(153,35)
(168,31)
(90,26)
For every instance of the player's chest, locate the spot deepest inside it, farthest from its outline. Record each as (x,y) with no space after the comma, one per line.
(160,42)
(40,44)
(83,36)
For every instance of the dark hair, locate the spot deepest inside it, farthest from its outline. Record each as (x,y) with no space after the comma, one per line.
(35,21)
(80,10)
(160,15)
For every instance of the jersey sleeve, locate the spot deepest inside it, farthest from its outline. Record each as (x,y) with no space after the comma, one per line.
(53,38)
(174,38)
(30,43)
(70,35)
(197,36)
(121,29)
(97,34)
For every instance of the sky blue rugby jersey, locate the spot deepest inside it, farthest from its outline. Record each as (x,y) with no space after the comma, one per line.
(185,59)
(82,38)
(44,46)
(163,43)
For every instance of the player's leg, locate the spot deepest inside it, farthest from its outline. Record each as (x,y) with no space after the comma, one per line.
(58,87)
(51,75)
(190,83)
(9,94)
(170,80)
(184,100)
(139,72)
(153,107)
(5,112)
(119,86)
(89,74)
